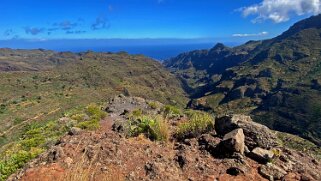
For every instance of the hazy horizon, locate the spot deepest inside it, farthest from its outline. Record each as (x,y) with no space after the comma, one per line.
(159,49)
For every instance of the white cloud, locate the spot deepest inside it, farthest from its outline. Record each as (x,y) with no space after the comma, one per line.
(264,33)
(281,10)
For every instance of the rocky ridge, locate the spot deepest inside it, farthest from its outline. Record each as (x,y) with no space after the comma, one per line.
(236,148)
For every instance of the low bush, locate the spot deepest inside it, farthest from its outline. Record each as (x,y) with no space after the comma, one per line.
(160,130)
(155,128)
(198,123)
(171,111)
(90,125)
(79,117)
(136,113)
(91,118)
(153,105)
(94,111)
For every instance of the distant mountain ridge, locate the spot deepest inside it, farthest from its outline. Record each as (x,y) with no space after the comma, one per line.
(277,78)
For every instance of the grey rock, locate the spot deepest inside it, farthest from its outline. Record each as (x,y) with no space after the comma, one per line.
(256,135)
(234,141)
(209,143)
(121,126)
(74,131)
(53,155)
(261,155)
(272,172)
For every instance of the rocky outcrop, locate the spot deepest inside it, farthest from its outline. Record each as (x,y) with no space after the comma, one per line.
(109,155)
(256,135)
(234,141)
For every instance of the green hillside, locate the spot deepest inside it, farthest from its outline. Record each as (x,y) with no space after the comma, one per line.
(40,85)
(277,80)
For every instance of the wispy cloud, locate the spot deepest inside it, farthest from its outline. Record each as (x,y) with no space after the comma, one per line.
(8,32)
(264,33)
(66,25)
(33,30)
(101,22)
(281,10)
(76,32)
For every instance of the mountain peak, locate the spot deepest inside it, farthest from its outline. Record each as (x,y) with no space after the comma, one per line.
(219,46)
(312,22)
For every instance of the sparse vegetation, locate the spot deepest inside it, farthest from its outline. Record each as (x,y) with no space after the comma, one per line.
(153,104)
(81,171)
(171,111)
(136,113)
(55,87)
(39,136)
(94,111)
(155,128)
(197,123)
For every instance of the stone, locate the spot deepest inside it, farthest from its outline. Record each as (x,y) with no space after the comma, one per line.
(54,154)
(121,126)
(151,170)
(256,135)
(181,160)
(68,161)
(272,172)
(234,141)
(261,155)
(209,142)
(235,171)
(74,131)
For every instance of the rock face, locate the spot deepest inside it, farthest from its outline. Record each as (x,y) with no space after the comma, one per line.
(256,135)
(234,141)
(261,155)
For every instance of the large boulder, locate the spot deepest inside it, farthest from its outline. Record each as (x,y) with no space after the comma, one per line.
(261,155)
(256,135)
(234,141)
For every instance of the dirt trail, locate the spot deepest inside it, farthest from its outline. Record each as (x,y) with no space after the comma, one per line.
(26,121)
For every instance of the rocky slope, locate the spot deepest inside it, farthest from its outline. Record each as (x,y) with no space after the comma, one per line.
(236,148)
(276,80)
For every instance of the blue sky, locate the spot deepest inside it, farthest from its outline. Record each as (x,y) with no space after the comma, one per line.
(228,20)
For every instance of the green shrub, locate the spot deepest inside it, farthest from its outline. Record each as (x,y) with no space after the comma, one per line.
(2,108)
(154,128)
(160,130)
(94,111)
(17,120)
(79,117)
(153,105)
(90,125)
(198,123)
(16,161)
(136,113)
(171,111)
